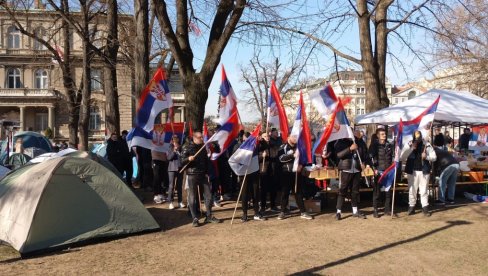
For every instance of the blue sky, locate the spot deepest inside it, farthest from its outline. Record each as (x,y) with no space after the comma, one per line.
(238,54)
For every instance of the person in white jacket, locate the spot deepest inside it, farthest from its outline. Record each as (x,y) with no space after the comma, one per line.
(419,155)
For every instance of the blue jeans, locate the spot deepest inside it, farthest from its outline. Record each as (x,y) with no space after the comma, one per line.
(448,180)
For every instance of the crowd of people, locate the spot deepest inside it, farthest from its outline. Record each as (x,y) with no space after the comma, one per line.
(188,166)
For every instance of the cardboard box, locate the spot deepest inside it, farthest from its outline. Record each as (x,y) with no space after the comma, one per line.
(367,172)
(328,174)
(312,206)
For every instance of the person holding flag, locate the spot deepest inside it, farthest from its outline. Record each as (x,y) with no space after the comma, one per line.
(244,162)
(418,156)
(293,156)
(196,163)
(381,154)
(351,154)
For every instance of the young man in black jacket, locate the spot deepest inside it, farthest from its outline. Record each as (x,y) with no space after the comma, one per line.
(196,171)
(381,151)
(287,155)
(350,166)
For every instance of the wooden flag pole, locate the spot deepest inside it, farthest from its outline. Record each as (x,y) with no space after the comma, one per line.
(264,157)
(199,200)
(239,196)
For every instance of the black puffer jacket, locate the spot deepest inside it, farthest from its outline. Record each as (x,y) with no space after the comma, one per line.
(382,155)
(201,162)
(286,155)
(345,155)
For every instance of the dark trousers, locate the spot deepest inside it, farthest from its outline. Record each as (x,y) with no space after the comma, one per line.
(160,176)
(175,178)
(129,170)
(269,185)
(377,194)
(195,181)
(250,188)
(349,180)
(287,184)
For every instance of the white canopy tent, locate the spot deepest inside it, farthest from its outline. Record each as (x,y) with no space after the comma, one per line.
(454,107)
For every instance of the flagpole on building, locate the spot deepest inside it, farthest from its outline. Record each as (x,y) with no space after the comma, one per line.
(239,196)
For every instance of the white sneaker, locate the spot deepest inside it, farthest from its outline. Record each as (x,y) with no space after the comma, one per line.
(182,205)
(158,199)
(171,206)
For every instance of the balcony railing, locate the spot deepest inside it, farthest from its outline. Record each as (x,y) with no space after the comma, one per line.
(27,92)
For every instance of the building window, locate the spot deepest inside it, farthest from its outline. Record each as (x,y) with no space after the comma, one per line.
(96,37)
(40,33)
(13,39)
(396,100)
(363,111)
(95,121)
(13,78)
(96,79)
(411,95)
(41,80)
(41,121)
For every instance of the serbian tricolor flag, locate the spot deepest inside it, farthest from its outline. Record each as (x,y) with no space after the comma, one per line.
(228,99)
(302,131)
(337,128)
(154,99)
(226,134)
(245,159)
(157,139)
(324,100)
(423,123)
(387,178)
(276,112)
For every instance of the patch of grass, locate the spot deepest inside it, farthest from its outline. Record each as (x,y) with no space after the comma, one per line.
(7,252)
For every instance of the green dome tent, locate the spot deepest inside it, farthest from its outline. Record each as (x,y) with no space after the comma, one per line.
(66,201)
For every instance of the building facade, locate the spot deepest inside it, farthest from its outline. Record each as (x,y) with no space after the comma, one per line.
(31,82)
(348,83)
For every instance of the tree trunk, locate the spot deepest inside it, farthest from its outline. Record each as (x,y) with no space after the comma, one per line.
(381,45)
(370,72)
(141,47)
(86,92)
(196,94)
(68,82)
(112,115)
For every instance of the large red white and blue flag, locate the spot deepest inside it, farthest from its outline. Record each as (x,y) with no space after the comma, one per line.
(228,99)
(245,159)
(154,99)
(387,178)
(324,100)
(276,112)
(423,123)
(337,128)
(226,134)
(301,130)
(157,139)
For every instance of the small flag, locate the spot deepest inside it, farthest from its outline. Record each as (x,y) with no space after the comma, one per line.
(245,159)
(276,112)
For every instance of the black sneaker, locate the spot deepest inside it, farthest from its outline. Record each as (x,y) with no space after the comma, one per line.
(375,213)
(411,211)
(338,216)
(195,222)
(275,210)
(426,211)
(440,203)
(244,218)
(450,201)
(212,219)
(281,216)
(359,215)
(388,214)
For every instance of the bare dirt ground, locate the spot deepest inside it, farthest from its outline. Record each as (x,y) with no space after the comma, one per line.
(453,241)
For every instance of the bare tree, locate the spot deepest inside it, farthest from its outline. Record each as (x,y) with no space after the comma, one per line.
(141,46)
(224,19)
(460,47)
(258,76)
